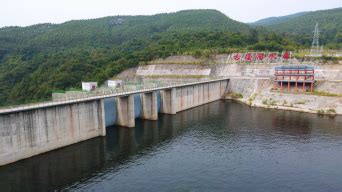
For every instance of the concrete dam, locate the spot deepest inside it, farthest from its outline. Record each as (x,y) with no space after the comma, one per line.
(31,130)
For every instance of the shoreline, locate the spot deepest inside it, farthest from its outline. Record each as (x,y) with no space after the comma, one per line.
(286,108)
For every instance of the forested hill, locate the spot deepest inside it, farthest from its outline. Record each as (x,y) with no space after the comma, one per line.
(299,26)
(37,59)
(111,31)
(276,20)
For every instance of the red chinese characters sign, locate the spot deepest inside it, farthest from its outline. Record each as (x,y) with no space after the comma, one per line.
(248,57)
(272,56)
(260,56)
(286,55)
(237,56)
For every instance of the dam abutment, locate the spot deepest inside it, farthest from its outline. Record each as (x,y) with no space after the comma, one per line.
(28,133)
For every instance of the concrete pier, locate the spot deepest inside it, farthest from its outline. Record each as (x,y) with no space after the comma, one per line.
(169,101)
(149,106)
(103,119)
(125,110)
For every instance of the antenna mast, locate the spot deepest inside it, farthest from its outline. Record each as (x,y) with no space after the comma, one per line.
(315,51)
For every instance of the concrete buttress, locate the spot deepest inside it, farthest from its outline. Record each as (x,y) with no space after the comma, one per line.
(125,110)
(169,101)
(149,106)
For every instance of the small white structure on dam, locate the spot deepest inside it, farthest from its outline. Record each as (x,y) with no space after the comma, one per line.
(89,86)
(114,83)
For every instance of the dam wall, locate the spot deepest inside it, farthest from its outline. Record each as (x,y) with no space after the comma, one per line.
(27,133)
(168,101)
(196,95)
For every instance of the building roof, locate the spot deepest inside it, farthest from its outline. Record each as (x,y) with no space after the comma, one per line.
(294,67)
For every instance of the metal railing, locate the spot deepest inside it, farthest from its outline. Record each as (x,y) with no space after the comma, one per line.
(107,93)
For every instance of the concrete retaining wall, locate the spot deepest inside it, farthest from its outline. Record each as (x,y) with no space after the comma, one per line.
(327,72)
(28,133)
(186,70)
(249,86)
(322,71)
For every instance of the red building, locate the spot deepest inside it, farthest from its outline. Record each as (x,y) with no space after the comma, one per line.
(297,76)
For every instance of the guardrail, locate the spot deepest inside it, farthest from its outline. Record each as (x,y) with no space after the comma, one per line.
(103,95)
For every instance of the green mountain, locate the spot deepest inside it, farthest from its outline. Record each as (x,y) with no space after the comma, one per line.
(301,26)
(115,30)
(276,20)
(37,59)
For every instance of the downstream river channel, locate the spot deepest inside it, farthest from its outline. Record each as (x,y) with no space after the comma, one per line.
(222,146)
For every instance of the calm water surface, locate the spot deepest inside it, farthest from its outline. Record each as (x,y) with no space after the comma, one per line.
(222,146)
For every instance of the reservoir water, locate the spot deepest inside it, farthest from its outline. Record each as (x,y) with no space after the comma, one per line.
(221,146)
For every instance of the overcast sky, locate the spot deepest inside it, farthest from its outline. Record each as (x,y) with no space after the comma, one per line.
(28,12)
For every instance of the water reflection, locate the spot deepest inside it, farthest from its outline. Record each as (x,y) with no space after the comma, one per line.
(296,125)
(52,170)
(219,128)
